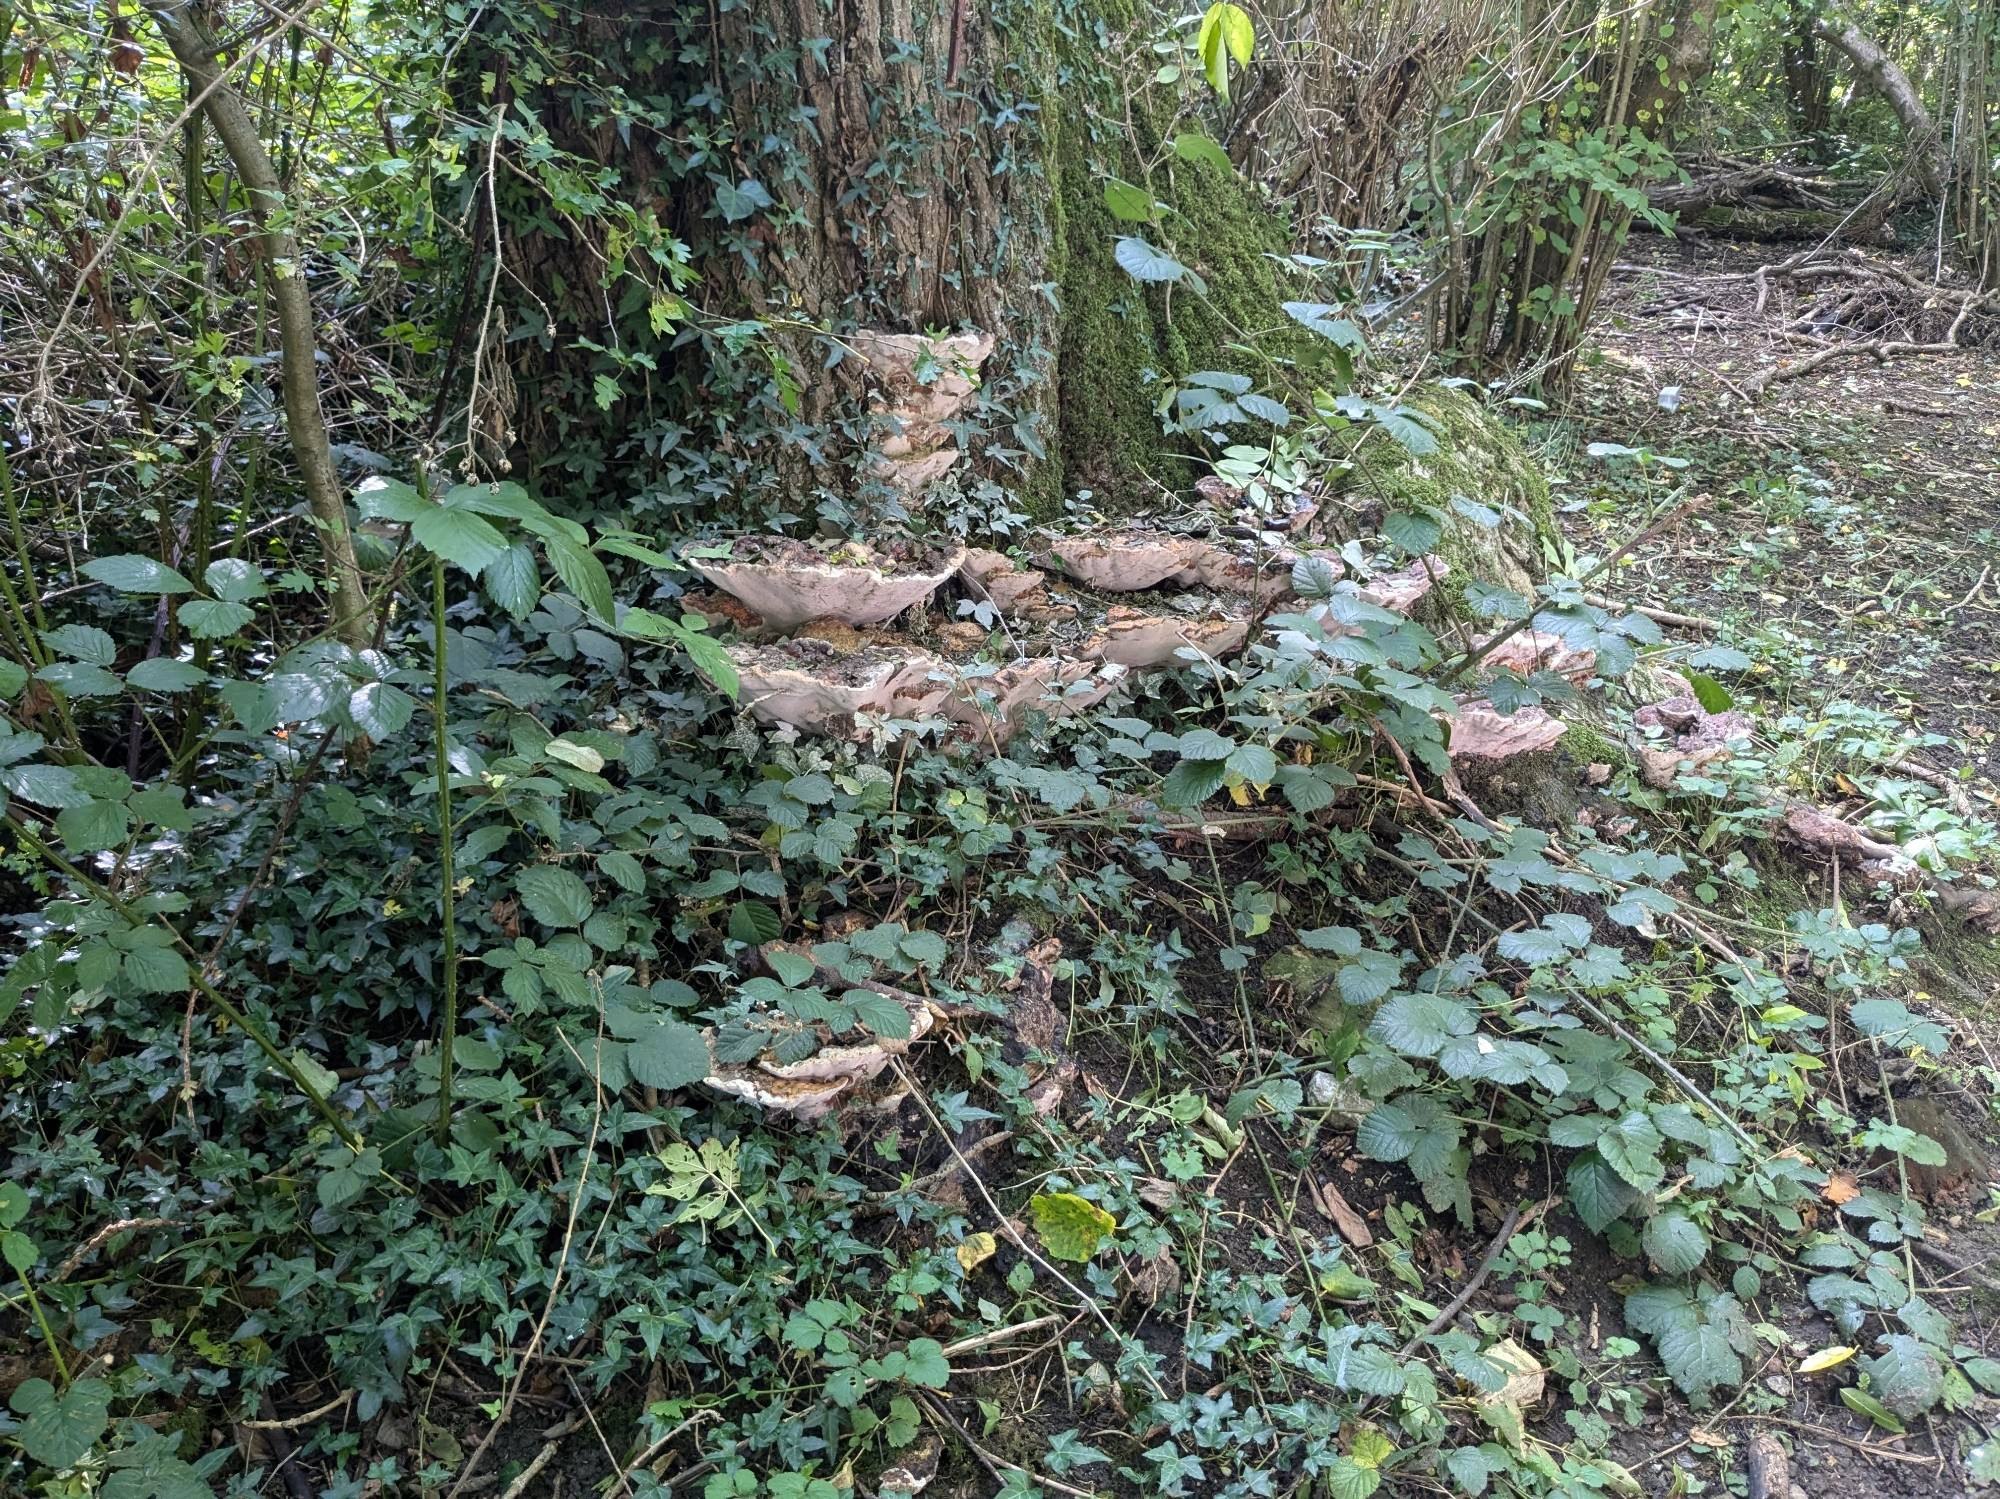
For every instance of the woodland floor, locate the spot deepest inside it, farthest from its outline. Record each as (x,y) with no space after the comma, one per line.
(1851,526)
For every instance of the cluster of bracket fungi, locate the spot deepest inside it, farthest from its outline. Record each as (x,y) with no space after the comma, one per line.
(814,654)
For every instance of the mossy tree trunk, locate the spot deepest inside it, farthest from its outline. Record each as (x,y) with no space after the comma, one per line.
(905,164)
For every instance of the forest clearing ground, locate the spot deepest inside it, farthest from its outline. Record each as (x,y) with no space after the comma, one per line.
(1849,543)
(1855,509)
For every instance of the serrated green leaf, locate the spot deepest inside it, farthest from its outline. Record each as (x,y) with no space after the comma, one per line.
(129,573)
(165,674)
(234,580)
(461,537)
(581,573)
(668,1054)
(1905,1376)
(513,581)
(61,1429)
(213,619)
(1711,694)
(1599,1194)
(554,896)
(380,709)
(1674,1242)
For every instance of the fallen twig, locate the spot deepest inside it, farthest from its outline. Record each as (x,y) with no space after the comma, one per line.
(1510,1225)
(1696,623)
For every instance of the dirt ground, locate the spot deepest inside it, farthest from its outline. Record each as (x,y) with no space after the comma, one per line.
(1854,510)
(1850,520)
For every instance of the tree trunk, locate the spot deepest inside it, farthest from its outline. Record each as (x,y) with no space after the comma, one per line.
(898,164)
(1882,74)
(305,423)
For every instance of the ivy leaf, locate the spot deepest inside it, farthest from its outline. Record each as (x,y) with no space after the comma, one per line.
(1674,1242)
(460,537)
(133,574)
(739,200)
(1905,1376)
(668,1054)
(555,897)
(1070,1227)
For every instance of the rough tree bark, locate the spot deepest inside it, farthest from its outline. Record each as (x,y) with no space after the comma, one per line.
(933,164)
(305,423)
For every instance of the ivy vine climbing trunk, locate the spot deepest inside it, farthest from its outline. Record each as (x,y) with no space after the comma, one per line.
(912,165)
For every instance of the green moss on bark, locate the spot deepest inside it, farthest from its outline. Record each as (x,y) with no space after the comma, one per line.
(1479,458)
(1120,346)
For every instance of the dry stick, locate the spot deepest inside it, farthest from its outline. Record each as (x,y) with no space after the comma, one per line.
(82,1252)
(306,1418)
(1509,1226)
(527,1475)
(999,1335)
(992,1462)
(305,422)
(1697,623)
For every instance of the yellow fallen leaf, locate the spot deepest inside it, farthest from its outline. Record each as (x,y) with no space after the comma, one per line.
(975,1251)
(1826,1358)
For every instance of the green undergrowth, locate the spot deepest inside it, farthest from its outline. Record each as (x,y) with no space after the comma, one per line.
(1128,1293)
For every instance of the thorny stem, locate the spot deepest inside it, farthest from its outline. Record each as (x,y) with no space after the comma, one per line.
(448,896)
